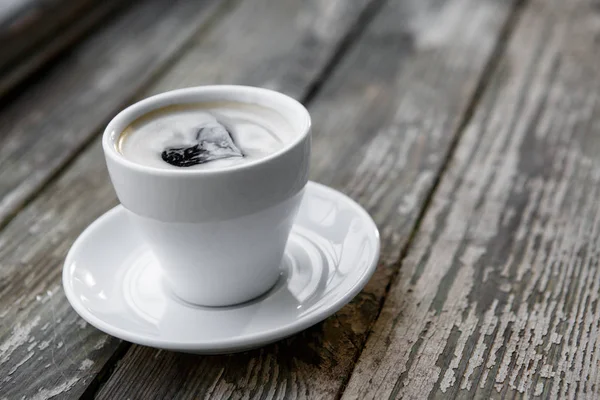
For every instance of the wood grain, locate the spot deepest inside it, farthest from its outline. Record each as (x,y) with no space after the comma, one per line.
(498,296)
(26,24)
(281,45)
(34,243)
(46,350)
(45,125)
(34,46)
(383,124)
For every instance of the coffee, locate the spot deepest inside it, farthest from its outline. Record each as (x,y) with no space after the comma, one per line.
(204,135)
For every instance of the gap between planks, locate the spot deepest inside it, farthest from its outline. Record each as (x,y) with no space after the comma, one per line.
(349,39)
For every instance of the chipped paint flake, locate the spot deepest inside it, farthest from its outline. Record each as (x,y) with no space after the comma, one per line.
(44,394)
(19,336)
(86,364)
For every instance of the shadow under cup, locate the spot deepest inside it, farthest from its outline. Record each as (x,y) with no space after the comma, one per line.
(218,234)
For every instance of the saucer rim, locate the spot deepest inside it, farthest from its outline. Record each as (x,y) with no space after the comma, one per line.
(227,343)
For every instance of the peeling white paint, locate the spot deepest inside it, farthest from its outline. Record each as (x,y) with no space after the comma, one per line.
(44,344)
(539,331)
(18,337)
(23,361)
(44,394)
(86,364)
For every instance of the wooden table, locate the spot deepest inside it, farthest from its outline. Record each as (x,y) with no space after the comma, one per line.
(469,129)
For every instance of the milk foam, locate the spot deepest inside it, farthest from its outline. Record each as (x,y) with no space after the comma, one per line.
(257,131)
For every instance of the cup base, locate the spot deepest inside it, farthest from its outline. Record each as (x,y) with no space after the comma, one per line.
(230,297)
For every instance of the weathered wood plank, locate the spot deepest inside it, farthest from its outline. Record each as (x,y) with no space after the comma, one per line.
(27,46)
(275,44)
(498,297)
(383,124)
(52,119)
(46,350)
(24,24)
(34,243)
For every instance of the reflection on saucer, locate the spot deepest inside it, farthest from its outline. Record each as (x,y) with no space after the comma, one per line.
(142,288)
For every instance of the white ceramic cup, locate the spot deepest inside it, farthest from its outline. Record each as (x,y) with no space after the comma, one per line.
(218,234)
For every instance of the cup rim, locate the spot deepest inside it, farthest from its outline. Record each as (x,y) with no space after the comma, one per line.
(134,111)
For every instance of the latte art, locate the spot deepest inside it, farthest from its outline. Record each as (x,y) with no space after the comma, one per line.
(214,143)
(204,136)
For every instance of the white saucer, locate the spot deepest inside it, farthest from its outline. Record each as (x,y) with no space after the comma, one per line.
(112,280)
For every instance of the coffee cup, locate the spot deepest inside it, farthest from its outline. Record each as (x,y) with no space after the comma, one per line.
(218,234)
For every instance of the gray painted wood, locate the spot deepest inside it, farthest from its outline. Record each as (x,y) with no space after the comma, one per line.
(34,243)
(46,350)
(498,296)
(383,124)
(27,24)
(39,31)
(280,45)
(50,120)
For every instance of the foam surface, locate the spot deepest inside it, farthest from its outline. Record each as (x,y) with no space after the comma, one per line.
(257,131)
